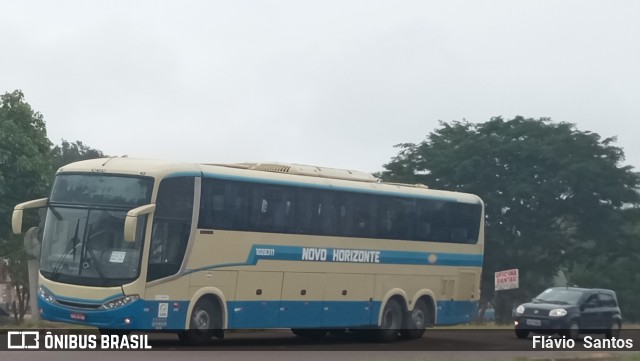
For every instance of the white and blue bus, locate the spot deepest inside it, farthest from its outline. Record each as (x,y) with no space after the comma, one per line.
(134,244)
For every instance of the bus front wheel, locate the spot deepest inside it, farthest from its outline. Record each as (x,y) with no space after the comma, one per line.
(201,324)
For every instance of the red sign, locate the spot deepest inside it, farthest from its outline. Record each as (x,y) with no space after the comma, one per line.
(506,280)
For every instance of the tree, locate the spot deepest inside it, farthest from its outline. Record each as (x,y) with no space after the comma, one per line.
(27,163)
(66,153)
(618,267)
(553,194)
(25,174)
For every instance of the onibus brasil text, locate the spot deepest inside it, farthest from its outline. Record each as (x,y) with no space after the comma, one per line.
(80,342)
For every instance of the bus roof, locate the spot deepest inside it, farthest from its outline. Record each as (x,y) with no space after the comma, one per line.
(279,173)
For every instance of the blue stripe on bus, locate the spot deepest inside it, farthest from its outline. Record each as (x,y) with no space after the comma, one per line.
(456,312)
(146,314)
(295,253)
(314,314)
(302,314)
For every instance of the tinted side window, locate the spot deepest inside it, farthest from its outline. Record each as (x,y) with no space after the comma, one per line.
(245,206)
(171,227)
(396,218)
(465,222)
(606,300)
(317,212)
(433,221)
(272,209)
(224,205)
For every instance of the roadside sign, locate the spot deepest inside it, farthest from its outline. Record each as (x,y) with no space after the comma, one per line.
(507,280)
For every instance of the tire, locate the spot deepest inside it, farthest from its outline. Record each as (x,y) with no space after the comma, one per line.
(614,329)
(416,321)
(309,332)
(391,321)
(573,331)
(522,333)
(202,323)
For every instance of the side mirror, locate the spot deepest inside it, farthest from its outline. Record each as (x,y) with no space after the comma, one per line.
(16,218)
(131,222)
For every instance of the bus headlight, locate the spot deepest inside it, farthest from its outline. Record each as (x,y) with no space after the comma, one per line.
(119,302)
(45,295)
(558,312)
(520,310)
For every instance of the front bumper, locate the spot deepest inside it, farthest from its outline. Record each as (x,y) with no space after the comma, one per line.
(542,325)
(138,315)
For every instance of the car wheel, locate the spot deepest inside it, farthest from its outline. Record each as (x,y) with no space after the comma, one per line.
(614,330)
(417,321)
(573,331)
(522,333)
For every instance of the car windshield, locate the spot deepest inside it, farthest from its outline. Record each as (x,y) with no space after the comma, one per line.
(563,296)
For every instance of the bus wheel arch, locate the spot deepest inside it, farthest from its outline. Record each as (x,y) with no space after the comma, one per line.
(206,305)
(217,297)
(428,297)
(392,314)
(420,317)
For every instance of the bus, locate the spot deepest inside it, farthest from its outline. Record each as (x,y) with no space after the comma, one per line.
(197,249)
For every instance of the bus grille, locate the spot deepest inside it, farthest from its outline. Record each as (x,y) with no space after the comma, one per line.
(88,306)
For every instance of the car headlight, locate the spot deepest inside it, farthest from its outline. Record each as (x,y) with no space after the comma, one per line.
(45,295)
(558,312)
(119,302)
(520,310)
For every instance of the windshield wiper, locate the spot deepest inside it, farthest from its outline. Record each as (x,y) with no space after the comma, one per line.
(73,245)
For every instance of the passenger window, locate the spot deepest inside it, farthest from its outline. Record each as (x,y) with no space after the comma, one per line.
(274,209)
(592,301)
(433,218)
(606,300)
(223,205)
(171,227)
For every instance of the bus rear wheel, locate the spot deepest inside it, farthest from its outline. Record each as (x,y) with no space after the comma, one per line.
(201,324)
(391,321)
(417,321)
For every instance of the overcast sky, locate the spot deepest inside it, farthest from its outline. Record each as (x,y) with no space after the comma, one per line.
(331,83)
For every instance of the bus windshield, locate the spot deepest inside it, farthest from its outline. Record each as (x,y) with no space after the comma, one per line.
(83,242)
(87,247)
(101,190)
